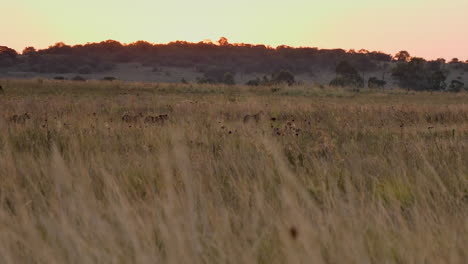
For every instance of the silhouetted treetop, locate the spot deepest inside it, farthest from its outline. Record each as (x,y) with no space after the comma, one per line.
(403,56)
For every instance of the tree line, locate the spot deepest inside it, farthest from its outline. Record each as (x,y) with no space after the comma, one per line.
(220,61)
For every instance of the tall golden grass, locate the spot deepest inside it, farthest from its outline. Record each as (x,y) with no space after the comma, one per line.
(337,177)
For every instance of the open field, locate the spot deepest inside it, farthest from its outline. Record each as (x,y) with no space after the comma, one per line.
(318,176)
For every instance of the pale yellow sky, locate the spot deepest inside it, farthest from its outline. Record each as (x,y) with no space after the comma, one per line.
(426,28)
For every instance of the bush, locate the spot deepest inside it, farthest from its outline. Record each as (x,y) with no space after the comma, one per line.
(420,75)
(255,82)
(109,78)
(373,82)
(348,81)
(78,79)
(456,86)
(347,75)
(229,79)
(283,76)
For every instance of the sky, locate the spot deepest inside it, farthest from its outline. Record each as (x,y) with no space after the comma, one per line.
(426,28)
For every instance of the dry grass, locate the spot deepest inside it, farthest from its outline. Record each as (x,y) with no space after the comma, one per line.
(337,177)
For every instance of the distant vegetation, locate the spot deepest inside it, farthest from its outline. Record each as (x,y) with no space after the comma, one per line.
(220,62)
(96,57)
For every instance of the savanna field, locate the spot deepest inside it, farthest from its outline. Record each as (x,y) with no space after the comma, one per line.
(115,172)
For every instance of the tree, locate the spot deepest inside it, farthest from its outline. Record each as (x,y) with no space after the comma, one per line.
(254,82)
(7,52)
(7,56)
(454,60)
(223,41)
(373,82)
(347,75)
(419,74)
(402,56)
(456,86)
(283,76)
(345,69)
(29,51)
(229,79)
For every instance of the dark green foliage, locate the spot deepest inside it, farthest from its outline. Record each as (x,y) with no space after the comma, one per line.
(7,56)
(231,57)
(373,82)
(109,78)
(283,76)
(78,79)
(229,79)
(345,69)
(254,82)
(348,81)
(456,86)
(419,74)
(347,76)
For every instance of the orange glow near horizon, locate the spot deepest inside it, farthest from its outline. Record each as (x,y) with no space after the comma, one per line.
(426,28)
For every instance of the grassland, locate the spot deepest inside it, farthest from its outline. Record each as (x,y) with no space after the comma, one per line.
(336,177)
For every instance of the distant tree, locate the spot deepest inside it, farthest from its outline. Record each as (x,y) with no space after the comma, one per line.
(345,69)
(7,56)
(373,82)
(109,78)
(347,75)
(402,56)
(7,52)
(456,86)
(283,76)
(229,78)
(254,82)
(454,60)
(441,60)
(223,41)
(60,48)
(29,51)
(419,74)
(78,79)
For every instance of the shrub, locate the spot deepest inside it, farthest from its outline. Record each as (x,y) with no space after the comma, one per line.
(373,82)
(254,82)
(283,76)
(347,75)
(420,75)
(348,81)
(109,78)
(456,86)
(229,79)
(78,79)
